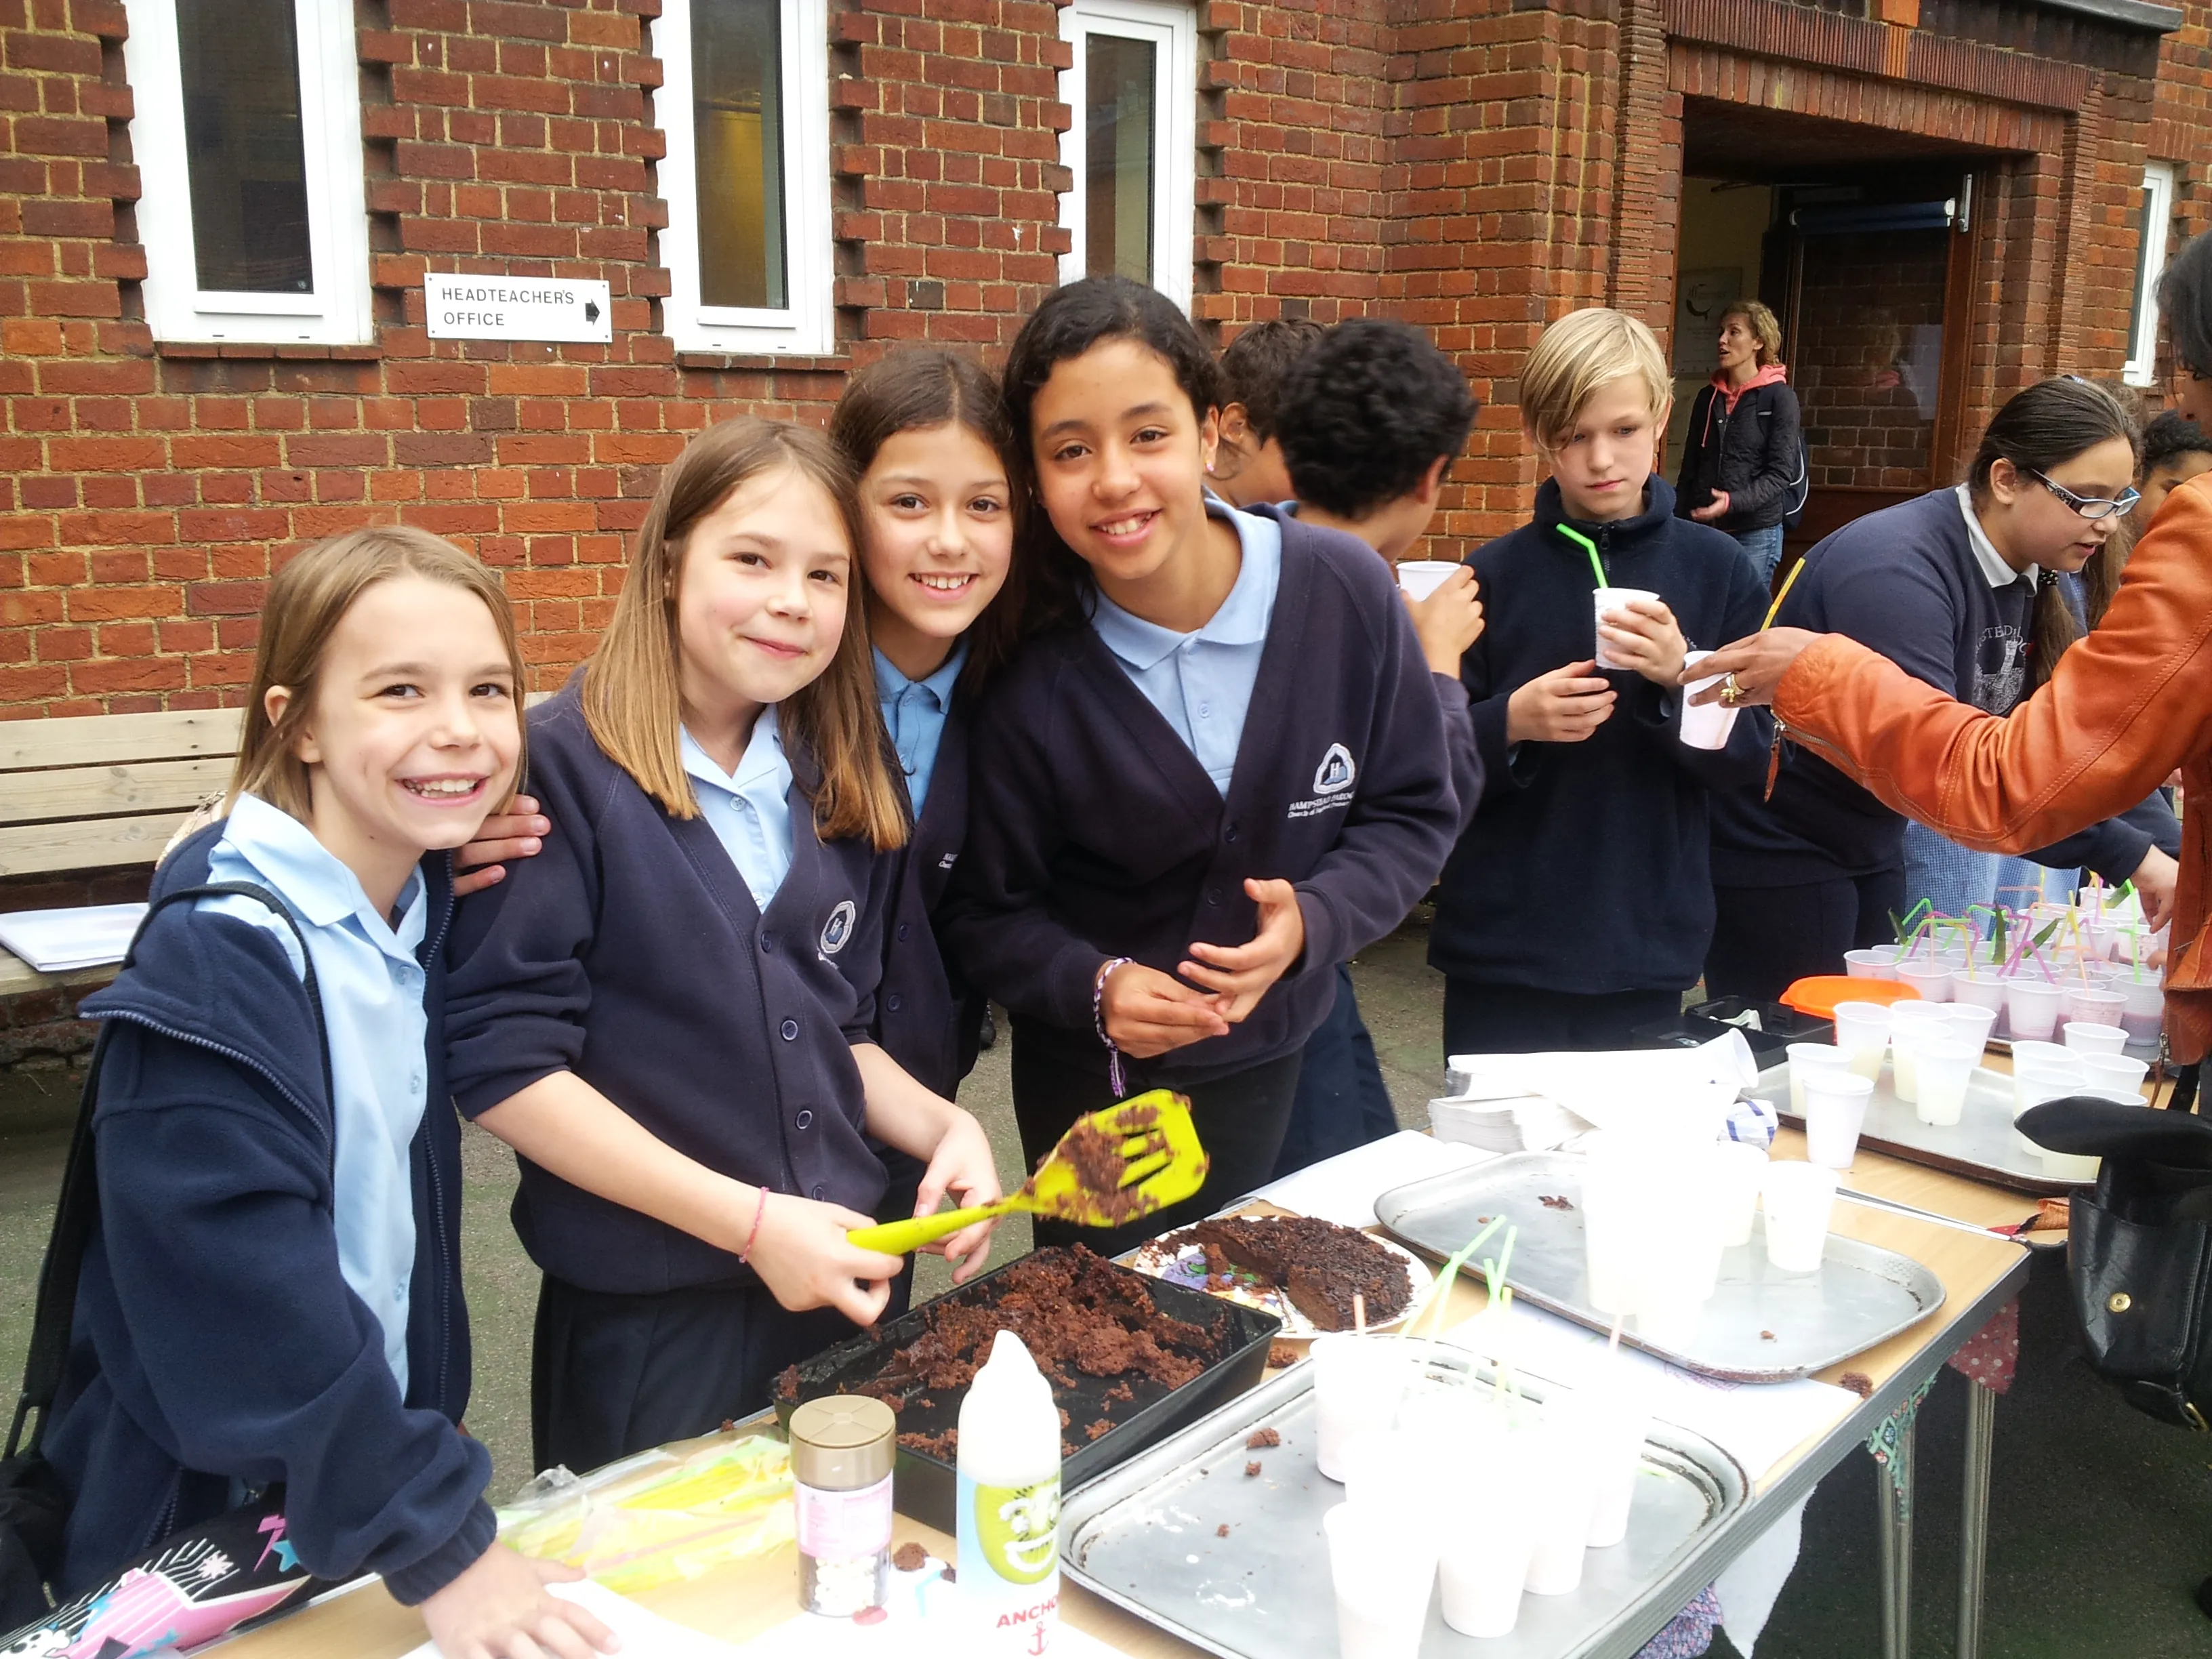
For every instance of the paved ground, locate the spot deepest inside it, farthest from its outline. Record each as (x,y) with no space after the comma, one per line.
(2101,1521)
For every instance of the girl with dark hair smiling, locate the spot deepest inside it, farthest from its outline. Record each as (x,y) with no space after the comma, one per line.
(1212,774)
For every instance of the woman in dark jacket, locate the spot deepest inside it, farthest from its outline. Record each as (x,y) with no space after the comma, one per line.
(1743,465)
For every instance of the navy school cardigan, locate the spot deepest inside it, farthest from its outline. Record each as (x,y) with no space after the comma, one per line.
(630,952)
(215,1338)
(1586,869)
(1093,832)
(928,1017)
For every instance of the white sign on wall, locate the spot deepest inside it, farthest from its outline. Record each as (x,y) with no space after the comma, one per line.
(517,308)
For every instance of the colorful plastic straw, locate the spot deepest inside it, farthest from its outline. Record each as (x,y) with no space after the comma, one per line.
(1597,565)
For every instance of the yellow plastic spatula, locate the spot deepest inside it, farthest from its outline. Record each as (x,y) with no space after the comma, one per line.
(1111,1168)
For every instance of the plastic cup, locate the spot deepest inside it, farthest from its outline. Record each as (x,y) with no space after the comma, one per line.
(1979,987)
(1741,1171)
(1969,1023)
(2143,1011)
(1481,1563)
(1931,979)
(1863,1033)
(2115,1076)
(1562,1493)
(1705,726)
(1881,964)
(2039,1079)
(1835,1108)
(1612,598)
(1808,1060)
(1383,1566)
(1797,1199)
(2085,1037)
(1912,1025)
(1419,578)
(1607,1419)
(1358,1383)
(1389,1467)
(2095,1005)
(2031,1007)
(1946,1067)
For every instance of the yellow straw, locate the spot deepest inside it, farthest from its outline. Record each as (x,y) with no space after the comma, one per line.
(1774,610)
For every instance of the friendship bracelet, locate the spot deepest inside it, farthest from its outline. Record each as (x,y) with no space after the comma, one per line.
(1115,1077)
(753,1237)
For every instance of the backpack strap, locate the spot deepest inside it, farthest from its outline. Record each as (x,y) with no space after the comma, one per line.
(77,1207)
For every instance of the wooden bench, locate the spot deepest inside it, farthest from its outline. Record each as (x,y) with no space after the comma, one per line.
(102,791)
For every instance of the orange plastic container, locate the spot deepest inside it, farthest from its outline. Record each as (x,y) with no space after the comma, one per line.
(1819,995)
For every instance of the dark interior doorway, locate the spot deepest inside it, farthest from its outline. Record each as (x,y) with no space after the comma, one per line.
(1862,241)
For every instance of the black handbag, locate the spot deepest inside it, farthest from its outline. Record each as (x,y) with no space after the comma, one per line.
(33,1501)
(2139,1258)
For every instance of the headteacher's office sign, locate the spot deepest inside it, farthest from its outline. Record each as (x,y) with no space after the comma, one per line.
(517,308)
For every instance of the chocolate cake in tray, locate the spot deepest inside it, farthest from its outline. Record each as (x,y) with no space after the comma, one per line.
(1320,1265)
(1129,1360)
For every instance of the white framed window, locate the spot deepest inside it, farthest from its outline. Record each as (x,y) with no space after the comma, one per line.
(1133,145)
(745,106)
(247,136)
(2151,260)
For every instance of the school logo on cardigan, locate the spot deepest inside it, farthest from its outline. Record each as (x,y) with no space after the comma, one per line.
(838,928)
(1332,779)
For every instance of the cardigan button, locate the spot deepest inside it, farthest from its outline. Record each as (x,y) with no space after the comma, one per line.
(902,930)
(1213,896)
(767,943)
(893,1002)
(821,1193)
(804,1120)
(790,1029)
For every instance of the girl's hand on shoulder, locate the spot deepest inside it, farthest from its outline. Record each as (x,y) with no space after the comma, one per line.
(1239,976)
(517,833)
(1147,1013)
(803,1256)
(499,1608)
(1564,706)
(962,1167)
(1449,621)
(1643,634)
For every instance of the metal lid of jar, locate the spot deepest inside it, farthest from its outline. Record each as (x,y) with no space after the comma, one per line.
(841,1441)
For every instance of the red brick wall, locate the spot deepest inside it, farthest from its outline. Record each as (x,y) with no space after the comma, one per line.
(1863,297)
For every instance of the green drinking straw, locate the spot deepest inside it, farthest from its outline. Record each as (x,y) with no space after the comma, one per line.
(1597,565)
(1440,1293)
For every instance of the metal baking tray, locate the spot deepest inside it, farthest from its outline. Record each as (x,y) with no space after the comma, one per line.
(926,1486)
(1759,1327)
(1147,1537)
(1981,1146)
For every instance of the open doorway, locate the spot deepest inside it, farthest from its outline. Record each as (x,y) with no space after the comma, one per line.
(1861,241)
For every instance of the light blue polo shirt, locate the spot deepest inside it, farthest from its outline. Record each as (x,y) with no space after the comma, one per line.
(914,713)
(372,996)
(1201,682)
(749,809)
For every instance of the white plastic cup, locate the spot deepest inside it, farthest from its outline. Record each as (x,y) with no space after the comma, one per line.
(1912,1025)
(1562,1493)
(1608,1416)
(2143,1011)
(2115,1076)
(1705,726)
(2089,1037)
(2095,1005)
(1611,599)
(1970,1023)
(1358,1383)
(2031,1007)
(2040,1077)
(1877,964)
(1862,1032)
(1932,978)
(1482,1561)
(1418,577)
(1391,1468)
(1980,987)
(1809,1060)
(1383,1566)
(1797,1199)
(1742,1171)
(1835,1110)
(1619,1216)
(1946,1067)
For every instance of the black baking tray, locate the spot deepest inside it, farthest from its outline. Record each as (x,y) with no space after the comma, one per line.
(1779,1027)
(925,1486)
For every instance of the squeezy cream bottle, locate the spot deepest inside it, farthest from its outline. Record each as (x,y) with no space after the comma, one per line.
(1009,1521)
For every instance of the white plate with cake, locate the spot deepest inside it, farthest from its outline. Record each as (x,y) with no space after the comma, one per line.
(1304,1270)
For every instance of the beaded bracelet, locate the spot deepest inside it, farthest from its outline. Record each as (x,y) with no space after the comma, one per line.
(753,1237)
(1115,1077)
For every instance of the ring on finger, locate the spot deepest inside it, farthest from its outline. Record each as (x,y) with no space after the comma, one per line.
(1731,691)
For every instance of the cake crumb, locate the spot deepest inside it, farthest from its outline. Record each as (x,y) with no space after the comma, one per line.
(1554,1201)
(1104,1425)
(1280,1354)
(1859,1383)
(1252,1467)
(1222,1531)
(949,1576)
(909,1557)
(1259,1437)
(1767,1336)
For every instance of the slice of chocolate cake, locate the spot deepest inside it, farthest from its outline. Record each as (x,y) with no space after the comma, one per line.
(1319,1265)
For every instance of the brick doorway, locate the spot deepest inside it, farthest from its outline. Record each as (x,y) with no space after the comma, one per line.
(1863,242)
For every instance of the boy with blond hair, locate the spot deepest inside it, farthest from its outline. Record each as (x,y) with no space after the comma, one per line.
(1579,904)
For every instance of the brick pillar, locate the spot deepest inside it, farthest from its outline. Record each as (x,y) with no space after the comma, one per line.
(1648,173)
(2075,232)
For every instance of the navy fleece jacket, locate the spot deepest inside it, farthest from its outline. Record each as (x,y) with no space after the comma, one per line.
(1093,831)
(630,952)
(1585,869)
(1905,582)
(215,1339)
